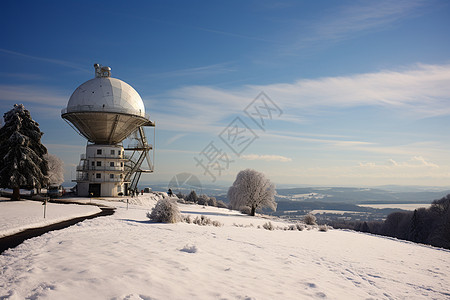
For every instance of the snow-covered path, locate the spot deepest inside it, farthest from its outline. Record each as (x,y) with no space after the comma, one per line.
(126,257)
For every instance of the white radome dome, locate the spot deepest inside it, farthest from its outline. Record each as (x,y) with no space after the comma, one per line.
(106,94)
(105,110)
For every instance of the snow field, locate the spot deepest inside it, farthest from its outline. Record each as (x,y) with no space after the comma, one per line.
(125,256)
(17,216)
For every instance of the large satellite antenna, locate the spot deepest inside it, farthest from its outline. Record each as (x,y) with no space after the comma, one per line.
(106,111)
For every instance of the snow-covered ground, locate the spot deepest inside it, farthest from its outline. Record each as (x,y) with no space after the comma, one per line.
(16,216)
(124,256)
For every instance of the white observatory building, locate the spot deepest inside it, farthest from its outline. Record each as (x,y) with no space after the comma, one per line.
(106,111)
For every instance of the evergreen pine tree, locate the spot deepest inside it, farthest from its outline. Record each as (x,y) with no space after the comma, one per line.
(414,228)
(365,227)
(192,197)
(22,162)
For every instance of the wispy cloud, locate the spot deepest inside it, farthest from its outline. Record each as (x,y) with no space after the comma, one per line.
(185,25)
(175,137)
(23,76)
(33,94)
(46,102)
(415,162)
(278,158)
(200,107)
(417,91)
(317,139)
(366,174)
(196,71)
(356,19)
(176,151)
(421,161)
(236,35)
(422,90)
(44,59)
(65,147)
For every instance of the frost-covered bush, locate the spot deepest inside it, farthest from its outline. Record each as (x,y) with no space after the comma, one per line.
(246,210)
(221,204)
(212,201)
(268,226)
(165,211)
(323,228)
(216,223)
(186,219)
(310,219)
(299,226)
(203,200)
(202,221)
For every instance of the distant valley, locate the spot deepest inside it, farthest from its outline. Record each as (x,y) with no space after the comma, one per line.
(330,204)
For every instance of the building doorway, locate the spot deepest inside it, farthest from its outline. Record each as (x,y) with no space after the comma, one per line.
(94,189)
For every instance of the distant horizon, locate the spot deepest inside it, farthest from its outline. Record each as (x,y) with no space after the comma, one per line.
(290,186)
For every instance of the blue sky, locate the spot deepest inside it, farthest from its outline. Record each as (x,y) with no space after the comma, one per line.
(362,87)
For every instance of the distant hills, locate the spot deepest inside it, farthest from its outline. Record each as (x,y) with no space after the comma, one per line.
(386,194)
(359,195)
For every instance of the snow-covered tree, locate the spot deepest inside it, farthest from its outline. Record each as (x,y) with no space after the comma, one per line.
(55,169)
(251,188)
(22,162)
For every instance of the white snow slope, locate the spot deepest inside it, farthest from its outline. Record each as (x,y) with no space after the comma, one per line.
(125,256)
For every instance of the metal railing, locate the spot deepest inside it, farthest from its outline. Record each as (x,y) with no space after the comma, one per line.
(115,179)
(85,177)
(99,168)
(104,109)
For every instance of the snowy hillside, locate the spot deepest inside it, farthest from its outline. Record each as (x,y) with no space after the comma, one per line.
(124,256)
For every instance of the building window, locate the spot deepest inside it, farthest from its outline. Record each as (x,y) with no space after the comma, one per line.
(111,164)
(93,163)
(99,164)
(99,151)
(113,152)
(118,152)
(98,175)
(111,176)
(121,164)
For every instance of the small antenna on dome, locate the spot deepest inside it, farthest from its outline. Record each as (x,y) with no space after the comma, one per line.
(101,71)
